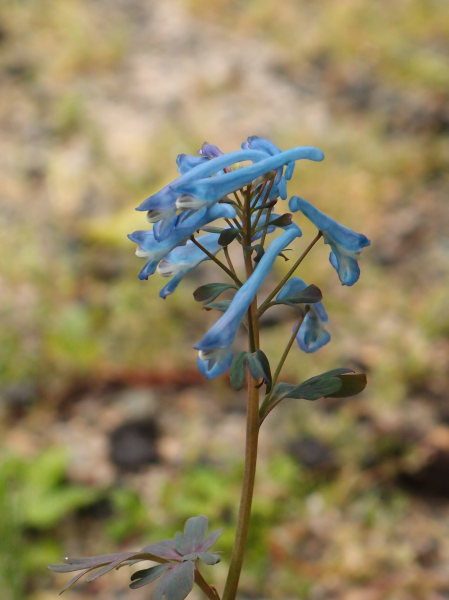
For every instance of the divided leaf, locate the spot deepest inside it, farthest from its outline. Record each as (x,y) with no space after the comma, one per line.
(338,383)
(207,293)
(237,374)
(177,583)
(221,305)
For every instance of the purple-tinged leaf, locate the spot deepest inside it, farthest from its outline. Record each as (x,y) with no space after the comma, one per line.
(210,558)
(74,580)
(164,549)
(141,578)
(177,583)
(210,540)
(103,571)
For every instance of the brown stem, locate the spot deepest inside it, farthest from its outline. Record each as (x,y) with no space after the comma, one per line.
(218,262)
(209,590)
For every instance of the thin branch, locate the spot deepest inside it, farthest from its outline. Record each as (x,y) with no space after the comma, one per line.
(267,195)
(228,260)
(290,273)
(218,262)
(288,348)
(210,592)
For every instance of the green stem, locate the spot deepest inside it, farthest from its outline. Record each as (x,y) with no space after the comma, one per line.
(288,348)
(218,262)
(280,285)
(228,260)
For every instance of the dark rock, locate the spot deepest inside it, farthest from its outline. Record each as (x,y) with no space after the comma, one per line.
(432,479)
(312,453)
(134,444)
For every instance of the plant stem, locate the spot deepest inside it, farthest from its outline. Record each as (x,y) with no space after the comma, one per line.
(288,348)
(207,589)
(252,430)
(289,274)
(252,438)
(218,262)
(228,260)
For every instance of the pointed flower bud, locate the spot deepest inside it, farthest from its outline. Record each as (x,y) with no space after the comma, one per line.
(346,244)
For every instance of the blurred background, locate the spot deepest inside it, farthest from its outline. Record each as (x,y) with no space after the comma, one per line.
(110,439)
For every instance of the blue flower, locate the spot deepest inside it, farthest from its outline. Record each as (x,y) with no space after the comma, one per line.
(346,244)
(312,334)
(212,363)
(186,162)
(210,151)
(255,142)
(162,207)
(222,334)
(184,259)
(212,189)
(187,223)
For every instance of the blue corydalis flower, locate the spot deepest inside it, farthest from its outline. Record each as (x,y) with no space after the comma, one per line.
(346,244)
(186,225)
(255,142)
(167,196)
(214,188)
(182,260)
(222,334)
(212,363)
(186,162)
(210,151)
(312,334)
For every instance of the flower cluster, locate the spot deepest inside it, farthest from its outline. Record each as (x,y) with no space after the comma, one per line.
(241,187)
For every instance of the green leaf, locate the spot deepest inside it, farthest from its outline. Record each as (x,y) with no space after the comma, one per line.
(254,367)
(207,293)
(351,386)
(309,295)
(237,374)
(332,373)
(222,305)
(317,390)
(263,360)
(268,204)
(228,235)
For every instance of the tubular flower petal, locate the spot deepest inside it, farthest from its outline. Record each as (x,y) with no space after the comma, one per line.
(212,363)
(222,334)
(184,259)
(214,188)
(210,151)
(149,247)
(254,142)
(166,197)
(346,244)
(312,334)
(186,162)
